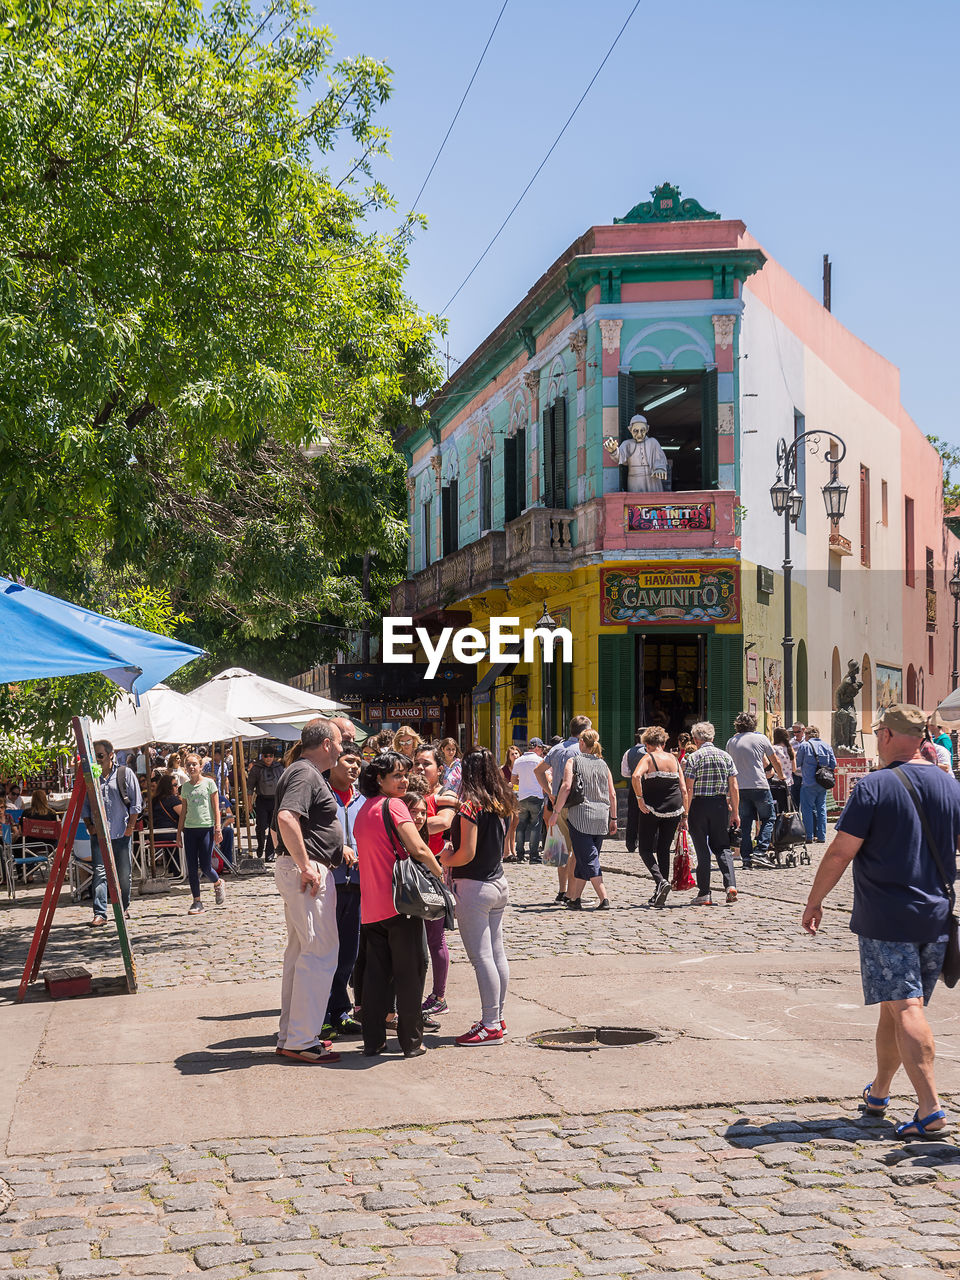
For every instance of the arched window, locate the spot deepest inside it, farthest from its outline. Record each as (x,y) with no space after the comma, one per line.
(835,675)
(911,685)
(866,696)
(515,461)
(555,440)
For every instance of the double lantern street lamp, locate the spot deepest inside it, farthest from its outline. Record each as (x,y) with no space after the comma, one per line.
(954,585)
(788,502)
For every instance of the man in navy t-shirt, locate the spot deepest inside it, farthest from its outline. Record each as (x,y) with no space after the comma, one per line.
(900,904)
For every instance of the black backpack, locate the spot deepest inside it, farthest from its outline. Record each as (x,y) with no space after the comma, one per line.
(123,784)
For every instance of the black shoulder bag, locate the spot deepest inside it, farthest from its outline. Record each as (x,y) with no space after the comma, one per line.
(951,960)
(823,775)
(575,794)
(416,891)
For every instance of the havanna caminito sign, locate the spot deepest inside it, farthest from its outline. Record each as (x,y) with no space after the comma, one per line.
(670,594)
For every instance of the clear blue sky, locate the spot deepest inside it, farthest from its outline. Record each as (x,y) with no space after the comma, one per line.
(826,127)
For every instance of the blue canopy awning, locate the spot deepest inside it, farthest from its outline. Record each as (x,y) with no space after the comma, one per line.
(43,636)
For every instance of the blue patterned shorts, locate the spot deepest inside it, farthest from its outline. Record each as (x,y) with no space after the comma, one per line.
(900,970)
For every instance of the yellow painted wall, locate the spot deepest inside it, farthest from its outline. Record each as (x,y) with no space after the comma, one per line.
(763,624)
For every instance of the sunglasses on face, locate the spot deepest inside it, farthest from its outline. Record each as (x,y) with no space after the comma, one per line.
(102,756)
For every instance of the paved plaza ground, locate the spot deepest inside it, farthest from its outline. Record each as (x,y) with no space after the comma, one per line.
(159,1135)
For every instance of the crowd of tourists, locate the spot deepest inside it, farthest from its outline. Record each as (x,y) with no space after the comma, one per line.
(341,824)
(337,820)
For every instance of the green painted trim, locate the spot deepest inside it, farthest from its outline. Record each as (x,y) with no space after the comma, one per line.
(411,443)
(739,264)
(668,205)
(526,336)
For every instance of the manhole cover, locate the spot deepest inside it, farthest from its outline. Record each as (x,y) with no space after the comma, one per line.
(583,1039)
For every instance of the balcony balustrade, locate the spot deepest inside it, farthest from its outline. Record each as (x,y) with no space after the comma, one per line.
(549,540)
(643,521)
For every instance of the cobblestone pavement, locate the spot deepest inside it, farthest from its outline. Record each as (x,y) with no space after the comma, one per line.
(715,1193)
(246,939)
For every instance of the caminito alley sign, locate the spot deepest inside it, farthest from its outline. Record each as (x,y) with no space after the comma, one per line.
(670,593)
(648,517)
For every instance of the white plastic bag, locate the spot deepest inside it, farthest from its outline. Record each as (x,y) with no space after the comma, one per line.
(554,851)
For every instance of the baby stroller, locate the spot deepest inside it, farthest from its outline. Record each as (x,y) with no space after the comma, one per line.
(788,845)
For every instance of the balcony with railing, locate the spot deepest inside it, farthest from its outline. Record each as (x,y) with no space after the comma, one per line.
(551,540)
(692,519)
(539,541)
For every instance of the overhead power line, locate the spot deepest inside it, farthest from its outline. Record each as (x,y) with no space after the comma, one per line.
(460,107)
(553,147)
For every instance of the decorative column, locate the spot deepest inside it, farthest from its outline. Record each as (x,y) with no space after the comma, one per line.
(411,514)
(436,461)
(610,334)
(578,345)
(531,380)
(724,328)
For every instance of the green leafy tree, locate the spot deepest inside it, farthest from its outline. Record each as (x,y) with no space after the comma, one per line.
(950,455)
(188,295)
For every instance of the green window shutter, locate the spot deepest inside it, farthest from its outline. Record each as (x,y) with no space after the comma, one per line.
(486,494)
(510,508)
(616,696)
(559,452)
(547,491)
(521,469)
(724,683)
(566,693)
(455,513)
(445,547)
(708,429)
(626,402)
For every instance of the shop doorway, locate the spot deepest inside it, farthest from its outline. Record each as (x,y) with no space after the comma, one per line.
(671,681)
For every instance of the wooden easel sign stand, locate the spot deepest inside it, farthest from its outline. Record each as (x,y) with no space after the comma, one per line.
(87,783)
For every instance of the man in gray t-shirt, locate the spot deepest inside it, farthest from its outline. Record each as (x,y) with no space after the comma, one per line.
(549,773)
(749,750)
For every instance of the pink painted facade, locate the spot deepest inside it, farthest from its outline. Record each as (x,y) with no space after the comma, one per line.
(903,619)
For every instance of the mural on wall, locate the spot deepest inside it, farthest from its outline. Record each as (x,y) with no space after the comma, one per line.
(670,593)
(889,686)
(772,685)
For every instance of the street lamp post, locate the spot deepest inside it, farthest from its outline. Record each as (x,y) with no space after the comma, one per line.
(787,501)
(547,697)
(954,585)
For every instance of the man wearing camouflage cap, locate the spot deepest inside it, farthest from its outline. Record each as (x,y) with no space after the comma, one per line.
(900,903)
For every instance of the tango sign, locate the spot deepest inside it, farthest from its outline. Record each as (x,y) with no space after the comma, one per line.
(668,594)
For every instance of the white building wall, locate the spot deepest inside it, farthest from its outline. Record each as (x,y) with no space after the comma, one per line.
(778,376)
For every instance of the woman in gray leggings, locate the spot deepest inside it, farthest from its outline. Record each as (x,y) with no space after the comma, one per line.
(475,856)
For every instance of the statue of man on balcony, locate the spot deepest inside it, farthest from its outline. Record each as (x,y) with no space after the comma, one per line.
(645,461)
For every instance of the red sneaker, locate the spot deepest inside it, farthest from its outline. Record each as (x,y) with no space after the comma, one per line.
(503,1026)
(480,1034)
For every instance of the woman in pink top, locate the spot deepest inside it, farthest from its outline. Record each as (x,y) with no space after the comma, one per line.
(394,945)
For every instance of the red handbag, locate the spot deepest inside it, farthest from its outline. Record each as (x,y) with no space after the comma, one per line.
(682,875)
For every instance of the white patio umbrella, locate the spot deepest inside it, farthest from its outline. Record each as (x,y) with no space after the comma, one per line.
(949,708)
(288,729)
(167,716)
(247,696)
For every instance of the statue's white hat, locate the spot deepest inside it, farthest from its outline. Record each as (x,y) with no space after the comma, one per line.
(638,417)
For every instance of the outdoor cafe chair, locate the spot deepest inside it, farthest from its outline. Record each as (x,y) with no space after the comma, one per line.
(38,843)
(169,854)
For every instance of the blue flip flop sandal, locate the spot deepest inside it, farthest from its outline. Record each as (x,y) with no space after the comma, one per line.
(921,1126)
(872,1106)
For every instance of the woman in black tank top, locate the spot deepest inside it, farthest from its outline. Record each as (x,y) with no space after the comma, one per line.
(661,792)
